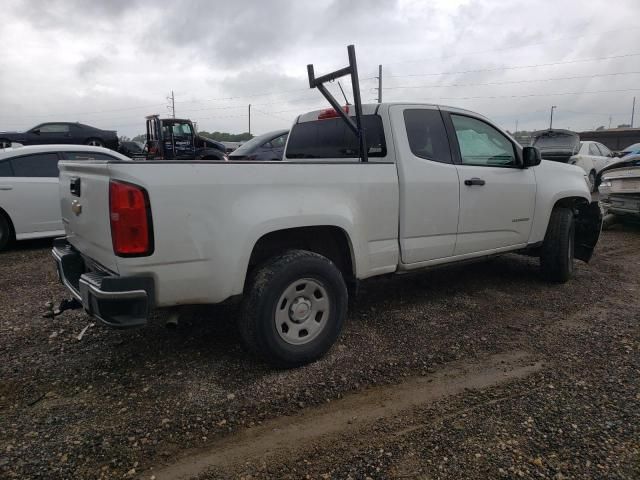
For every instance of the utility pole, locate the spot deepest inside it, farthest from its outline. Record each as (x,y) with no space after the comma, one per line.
(379,77)
(249,119)
(553,107)
(173,105)
(609,122)
(516,130)
(633,110)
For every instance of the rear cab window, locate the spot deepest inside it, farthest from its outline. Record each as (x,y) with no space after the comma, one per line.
(332,139)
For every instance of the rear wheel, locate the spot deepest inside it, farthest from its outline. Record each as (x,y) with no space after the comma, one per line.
(96,142)
(6,235)
(294,309)
(556,258)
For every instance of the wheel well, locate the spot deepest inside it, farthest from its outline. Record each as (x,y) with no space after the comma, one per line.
(570,202)
(329,241)
(12,229)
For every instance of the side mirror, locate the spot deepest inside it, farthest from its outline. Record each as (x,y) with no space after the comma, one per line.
(531,157)
(36,131)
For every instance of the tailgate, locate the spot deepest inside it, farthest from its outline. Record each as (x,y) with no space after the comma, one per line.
(84,202)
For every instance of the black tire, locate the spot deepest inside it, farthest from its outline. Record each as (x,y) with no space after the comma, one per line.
(263,306)
(556,257)
(6,234)
(4,143)
(592,181)
(96,142)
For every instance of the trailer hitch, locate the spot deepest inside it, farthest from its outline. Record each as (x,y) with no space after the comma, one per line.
(70,304)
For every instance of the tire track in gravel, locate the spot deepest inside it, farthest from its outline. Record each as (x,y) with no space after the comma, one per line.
(351,413)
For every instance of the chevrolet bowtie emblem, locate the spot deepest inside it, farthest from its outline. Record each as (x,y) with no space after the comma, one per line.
(76,207)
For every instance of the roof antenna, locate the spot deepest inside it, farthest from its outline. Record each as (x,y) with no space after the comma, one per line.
(345,97)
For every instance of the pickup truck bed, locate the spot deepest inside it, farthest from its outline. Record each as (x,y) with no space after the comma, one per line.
(292,237)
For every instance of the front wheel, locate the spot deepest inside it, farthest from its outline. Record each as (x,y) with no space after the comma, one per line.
(294,308)
(556,258)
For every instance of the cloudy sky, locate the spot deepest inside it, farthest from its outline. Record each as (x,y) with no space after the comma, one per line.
(110,63)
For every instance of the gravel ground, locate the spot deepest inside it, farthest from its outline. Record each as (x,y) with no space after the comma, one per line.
(125,404)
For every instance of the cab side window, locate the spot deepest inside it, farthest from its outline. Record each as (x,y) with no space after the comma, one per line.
(54,128)
(427,135)
(593,150)
(279,142)
(37,165)
(481,144)
(604,150)
(86,156)
(5,169)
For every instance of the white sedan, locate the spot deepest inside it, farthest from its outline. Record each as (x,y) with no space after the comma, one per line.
(592,157)
(29,196)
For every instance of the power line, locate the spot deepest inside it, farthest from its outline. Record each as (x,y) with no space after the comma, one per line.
(241,97)
(515,67)
(576,77)
(515,47)
(532,95)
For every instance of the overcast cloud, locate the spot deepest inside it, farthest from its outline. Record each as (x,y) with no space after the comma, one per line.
(110,63)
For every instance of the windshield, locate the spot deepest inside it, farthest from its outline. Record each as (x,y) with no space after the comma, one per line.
(634,147)
(178,130)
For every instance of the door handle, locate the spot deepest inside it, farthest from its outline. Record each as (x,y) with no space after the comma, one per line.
(474,181)
(6,187)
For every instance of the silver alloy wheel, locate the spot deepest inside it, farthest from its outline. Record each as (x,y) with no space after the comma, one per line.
(302,311)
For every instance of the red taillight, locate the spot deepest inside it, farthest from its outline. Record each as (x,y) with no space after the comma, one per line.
(130,212)
(331,113)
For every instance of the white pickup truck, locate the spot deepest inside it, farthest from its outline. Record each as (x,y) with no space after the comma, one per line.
(291,238)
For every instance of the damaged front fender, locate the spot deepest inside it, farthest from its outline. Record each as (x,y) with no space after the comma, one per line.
(587,232)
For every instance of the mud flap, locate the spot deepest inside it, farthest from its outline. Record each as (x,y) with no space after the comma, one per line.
(588,227)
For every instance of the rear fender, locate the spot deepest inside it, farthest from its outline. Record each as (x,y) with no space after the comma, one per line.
(588,227)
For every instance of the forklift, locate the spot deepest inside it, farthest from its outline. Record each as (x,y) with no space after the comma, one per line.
(177,139)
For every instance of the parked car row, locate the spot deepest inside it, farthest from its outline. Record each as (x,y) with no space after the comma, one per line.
(168,138)
(565,146)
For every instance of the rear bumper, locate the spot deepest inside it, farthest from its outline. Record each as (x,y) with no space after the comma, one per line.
(120,302)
